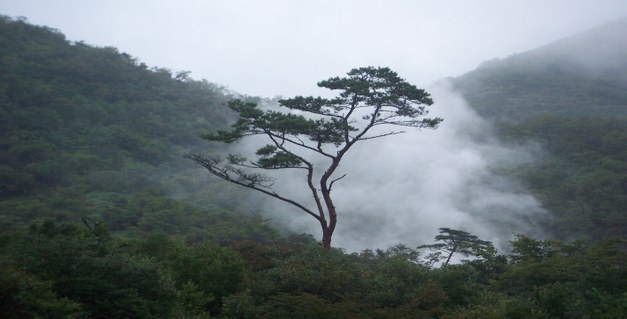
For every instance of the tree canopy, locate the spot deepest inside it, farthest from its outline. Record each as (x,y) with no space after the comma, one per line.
(370,97)
(453,241)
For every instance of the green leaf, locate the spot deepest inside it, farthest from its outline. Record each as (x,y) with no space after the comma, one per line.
(266,150)
(280,160)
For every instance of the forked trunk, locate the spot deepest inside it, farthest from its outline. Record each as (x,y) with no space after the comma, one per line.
(326,238)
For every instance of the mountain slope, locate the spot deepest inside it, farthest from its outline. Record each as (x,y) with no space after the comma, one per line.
(569,97)
(583,75)
(72,109)
(89,132)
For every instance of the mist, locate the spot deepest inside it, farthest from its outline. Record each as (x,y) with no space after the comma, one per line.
(260,49)
(402,188)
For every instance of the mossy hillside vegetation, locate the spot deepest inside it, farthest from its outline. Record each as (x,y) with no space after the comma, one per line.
(568,98)
(91,132)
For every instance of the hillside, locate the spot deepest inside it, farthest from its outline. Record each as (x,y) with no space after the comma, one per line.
(569,97)
(583,75)
(89,132)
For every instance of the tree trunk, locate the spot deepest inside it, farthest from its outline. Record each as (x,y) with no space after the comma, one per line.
(450,255)
(326,238)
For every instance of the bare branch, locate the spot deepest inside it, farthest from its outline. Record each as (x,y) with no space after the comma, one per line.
(231,174)
(335,180)
(364,138)
(212,165)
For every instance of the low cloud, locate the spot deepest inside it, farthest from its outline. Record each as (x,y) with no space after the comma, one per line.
(402,188)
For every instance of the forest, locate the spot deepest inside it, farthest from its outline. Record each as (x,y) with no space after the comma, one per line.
(101,216)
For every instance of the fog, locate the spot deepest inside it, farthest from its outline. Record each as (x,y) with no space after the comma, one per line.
(597,51)
(283,47)
(402,188)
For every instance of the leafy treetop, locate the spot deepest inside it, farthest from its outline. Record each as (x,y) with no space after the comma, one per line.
(452,241)
(369,97)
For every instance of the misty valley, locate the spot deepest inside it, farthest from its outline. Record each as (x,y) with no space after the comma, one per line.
(129,191)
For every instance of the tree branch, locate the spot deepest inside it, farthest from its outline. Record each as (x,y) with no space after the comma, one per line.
(299,144)
(381,135)
(212,166)
(335,180)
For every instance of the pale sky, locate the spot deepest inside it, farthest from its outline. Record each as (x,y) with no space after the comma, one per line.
(284,47)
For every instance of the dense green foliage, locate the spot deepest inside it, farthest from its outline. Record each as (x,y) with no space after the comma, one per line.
(100,217)
(581,175)
(88,131)
(63,270)
(568,99)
